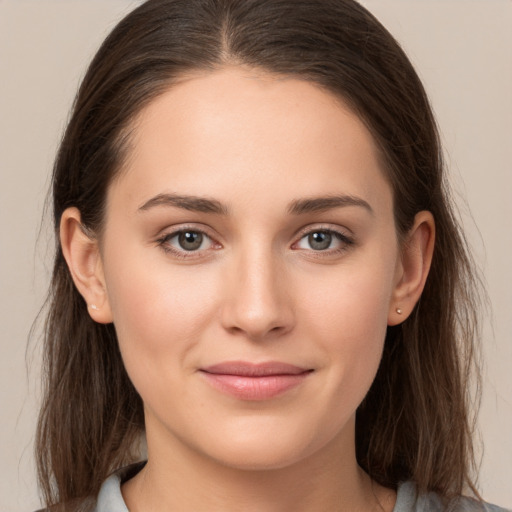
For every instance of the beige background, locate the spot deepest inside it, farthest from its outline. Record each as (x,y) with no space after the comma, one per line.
(462,49)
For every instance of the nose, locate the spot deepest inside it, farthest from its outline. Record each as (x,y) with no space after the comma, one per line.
(258,302)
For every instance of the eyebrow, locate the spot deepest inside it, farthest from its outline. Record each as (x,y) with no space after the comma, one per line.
(321,204)
(191,203)
(297,207)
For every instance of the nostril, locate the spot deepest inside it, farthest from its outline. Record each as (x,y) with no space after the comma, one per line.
(255,331)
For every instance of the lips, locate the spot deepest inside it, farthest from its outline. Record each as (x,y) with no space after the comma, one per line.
(249,381)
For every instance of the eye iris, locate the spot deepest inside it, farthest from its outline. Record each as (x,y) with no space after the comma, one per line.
(320,240)
(190,240)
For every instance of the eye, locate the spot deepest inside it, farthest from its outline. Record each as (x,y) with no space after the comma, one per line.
(323,240)
(189,240)
(319,240)
(186,241)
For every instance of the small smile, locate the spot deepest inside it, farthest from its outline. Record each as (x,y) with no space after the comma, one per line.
(249,381)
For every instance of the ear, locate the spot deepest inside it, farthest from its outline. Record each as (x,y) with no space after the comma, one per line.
(82,254)
(413,267)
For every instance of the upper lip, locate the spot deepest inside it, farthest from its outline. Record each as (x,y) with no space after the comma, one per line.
(247,369)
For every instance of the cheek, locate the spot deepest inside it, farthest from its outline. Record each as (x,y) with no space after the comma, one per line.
(349,321)
(159,310)
(352,304)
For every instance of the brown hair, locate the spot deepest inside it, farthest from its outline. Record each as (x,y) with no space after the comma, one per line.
(415,422)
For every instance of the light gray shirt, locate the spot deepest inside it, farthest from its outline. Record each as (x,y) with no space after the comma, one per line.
(110,498)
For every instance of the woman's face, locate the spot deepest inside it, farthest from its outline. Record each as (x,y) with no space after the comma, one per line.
(250,259)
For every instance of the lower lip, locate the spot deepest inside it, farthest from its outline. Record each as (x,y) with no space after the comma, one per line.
(254,388)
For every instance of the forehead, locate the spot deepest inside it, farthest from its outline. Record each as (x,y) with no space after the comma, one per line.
(237,132)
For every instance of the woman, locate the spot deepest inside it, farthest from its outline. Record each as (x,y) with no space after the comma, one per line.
(258,272)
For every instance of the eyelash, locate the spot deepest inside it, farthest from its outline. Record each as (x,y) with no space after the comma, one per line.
(164,243)
(345,240)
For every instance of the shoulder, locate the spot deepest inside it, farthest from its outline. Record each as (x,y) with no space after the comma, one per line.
(409,501)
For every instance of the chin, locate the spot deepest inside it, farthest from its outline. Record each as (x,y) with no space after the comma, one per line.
(260,446)
(260,456)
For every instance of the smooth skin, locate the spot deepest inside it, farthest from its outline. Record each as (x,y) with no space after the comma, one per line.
(291,255)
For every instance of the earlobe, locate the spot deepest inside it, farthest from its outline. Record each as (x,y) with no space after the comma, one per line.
(413,269)
(82,256)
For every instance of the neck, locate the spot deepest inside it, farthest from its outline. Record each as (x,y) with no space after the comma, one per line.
(177,477)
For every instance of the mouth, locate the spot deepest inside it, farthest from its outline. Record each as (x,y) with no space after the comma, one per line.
(249,381)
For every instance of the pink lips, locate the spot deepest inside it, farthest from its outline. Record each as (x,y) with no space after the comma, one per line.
(248,381)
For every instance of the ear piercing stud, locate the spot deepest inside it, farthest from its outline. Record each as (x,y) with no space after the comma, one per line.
(93,306)
(399,311)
